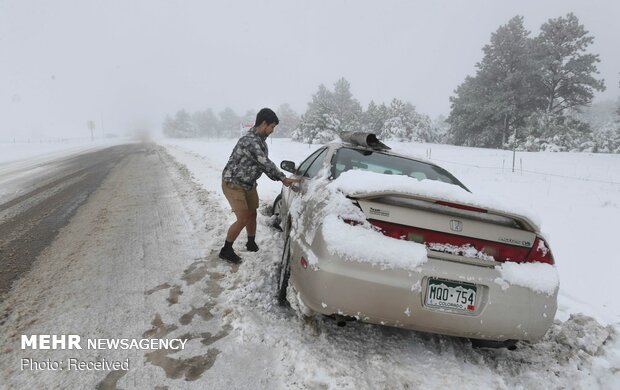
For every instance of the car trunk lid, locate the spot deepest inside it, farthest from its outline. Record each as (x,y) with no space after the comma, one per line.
(455,230)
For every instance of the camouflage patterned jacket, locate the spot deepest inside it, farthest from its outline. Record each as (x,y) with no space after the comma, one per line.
(248,160)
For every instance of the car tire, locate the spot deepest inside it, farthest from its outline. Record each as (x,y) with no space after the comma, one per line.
(275,211)
(511,345)
(284,272)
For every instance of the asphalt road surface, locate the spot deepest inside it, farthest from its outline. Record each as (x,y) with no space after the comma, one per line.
(104,245)
(30,221)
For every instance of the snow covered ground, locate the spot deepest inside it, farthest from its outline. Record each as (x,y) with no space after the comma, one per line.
(140,260)
(574,196)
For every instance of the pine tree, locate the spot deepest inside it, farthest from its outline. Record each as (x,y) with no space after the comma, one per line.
(566,70)
(168,127)
(440,129)
(289,121)
(206,123)
(313,120)
(405,124)
(487,108)
(181,126)
(472,118)
(346,110)
(229,123)
(328,114)
(374,118)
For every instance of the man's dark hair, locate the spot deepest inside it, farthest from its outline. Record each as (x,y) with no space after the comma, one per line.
(267,115)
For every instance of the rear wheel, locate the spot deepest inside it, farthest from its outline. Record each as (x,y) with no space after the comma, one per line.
(284,272)
(275,208)
(508,344)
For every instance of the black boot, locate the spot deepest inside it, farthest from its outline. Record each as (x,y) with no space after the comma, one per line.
(251,245)
(227,253)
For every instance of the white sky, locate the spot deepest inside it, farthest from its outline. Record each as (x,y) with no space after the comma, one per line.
(68,61)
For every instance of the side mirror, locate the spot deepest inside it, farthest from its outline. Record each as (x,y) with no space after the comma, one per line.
(288,166)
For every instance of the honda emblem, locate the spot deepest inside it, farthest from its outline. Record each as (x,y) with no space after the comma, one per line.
(456,225)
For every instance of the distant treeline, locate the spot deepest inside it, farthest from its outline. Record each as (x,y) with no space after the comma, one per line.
(528,93)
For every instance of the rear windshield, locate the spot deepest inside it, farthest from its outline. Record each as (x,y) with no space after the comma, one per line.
(365,160)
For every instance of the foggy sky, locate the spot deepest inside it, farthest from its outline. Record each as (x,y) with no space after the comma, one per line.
(129,63)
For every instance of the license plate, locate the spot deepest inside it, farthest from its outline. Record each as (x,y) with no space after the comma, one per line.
(451,295)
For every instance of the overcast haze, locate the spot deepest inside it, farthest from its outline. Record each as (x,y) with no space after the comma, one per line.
(63,63)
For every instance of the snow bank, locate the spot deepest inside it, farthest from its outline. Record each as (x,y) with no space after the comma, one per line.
(540,277)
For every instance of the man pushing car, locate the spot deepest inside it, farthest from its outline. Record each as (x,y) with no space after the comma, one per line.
(248,161)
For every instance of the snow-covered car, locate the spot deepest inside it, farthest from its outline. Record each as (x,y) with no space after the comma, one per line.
(389,239)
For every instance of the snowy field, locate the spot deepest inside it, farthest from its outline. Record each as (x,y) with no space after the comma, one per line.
(574,196)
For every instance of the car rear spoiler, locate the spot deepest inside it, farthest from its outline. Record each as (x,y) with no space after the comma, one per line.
(524,221)
(368,140)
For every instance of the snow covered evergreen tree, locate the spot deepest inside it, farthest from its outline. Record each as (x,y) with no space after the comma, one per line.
(404,123)
(524,84)
(328,114)
(229,123)
(566,70)
(488,108)
(181,126)
(168,127)
(440,130)
(206,123)
(346,109)
(316,117)
(289,121)
(374,118)
(547,131)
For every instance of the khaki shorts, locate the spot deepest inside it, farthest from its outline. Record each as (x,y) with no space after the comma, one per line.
(239,198)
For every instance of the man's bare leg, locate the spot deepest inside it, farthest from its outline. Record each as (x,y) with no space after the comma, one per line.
(227,253)
(243,217)
(250,228)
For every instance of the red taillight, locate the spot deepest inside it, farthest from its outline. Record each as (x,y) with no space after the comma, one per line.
(540,253)
(352,222)
(460,206)
(499,251)
(304,262)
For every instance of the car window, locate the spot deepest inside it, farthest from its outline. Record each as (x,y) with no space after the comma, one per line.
(304,165)
(374,161)
(316,165)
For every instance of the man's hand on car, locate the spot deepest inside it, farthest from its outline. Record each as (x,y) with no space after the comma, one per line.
(289,183)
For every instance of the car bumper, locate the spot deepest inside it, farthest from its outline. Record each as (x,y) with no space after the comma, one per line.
(395,297)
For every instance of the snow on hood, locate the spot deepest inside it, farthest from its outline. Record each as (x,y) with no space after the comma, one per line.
(539,277)
(357,182)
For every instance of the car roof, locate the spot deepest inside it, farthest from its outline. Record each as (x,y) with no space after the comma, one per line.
(335,145)
(339,145)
